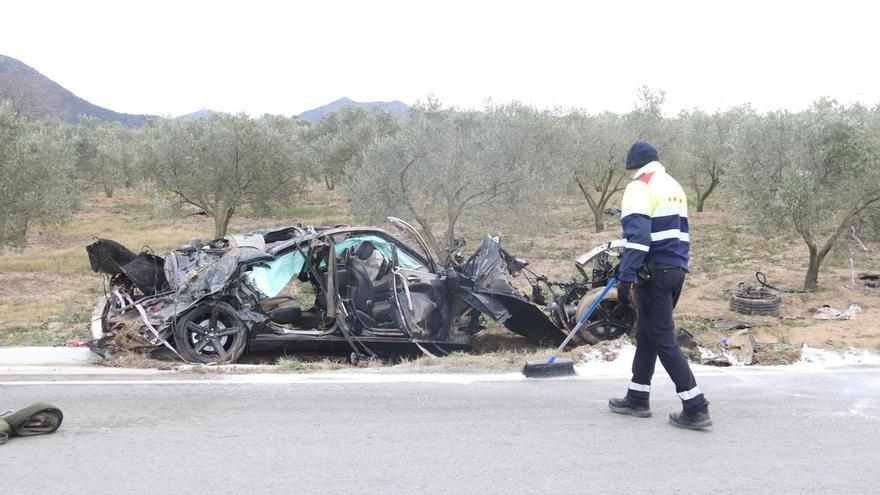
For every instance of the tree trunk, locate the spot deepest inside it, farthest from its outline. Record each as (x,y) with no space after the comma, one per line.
(701,198)
(598,208)
(599,217)
(221,221)
(811,282)
(450,238)
(328,181)
(108,190)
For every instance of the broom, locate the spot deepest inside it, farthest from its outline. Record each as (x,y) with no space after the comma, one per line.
(545,368)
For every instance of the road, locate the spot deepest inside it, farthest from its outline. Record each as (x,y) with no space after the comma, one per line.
(775,432)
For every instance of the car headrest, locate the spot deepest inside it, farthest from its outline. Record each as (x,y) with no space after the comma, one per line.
(365,250)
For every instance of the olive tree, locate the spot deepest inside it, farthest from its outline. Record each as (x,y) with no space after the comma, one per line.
(225,163)
(38,184)
(341,138)
(704,149)
(645,122)
(443,164)
(596,149)
(813,172)
(106,153)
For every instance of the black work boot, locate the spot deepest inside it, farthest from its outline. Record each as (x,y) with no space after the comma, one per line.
(692,419)
(626,405)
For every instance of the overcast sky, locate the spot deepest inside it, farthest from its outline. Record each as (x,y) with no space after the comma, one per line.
(174,57)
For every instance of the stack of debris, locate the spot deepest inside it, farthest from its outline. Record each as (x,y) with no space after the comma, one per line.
(826,312)
(739,349)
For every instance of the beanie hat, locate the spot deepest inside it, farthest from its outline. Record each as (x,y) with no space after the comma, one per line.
(641,154)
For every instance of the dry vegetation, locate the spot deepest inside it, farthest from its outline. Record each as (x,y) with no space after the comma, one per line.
(47,290)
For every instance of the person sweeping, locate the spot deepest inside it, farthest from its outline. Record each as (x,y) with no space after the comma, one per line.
(655,260)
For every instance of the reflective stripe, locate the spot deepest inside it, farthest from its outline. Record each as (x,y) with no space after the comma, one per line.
(671,209)
(670,234)
(690,394)
(638,387)
(666,234)
(637,247)
(635,211)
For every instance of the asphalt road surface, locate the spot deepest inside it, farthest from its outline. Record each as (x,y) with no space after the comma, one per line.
(775,432)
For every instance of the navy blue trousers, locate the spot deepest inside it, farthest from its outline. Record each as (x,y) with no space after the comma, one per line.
(655,337)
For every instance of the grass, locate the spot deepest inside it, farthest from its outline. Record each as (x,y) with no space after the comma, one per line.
(46,334)
(137,360)
(20,335)
(62,261)
(696,326)
(300,364)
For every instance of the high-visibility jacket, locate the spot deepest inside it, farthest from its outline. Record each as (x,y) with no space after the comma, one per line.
(655,222)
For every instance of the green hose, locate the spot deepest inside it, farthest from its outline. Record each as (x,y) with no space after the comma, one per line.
(38,419)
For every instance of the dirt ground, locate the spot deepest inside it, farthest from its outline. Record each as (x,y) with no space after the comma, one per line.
(47,290)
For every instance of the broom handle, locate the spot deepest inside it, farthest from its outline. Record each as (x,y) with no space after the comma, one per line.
(584,318)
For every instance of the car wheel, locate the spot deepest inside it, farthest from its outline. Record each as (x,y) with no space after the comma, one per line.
(211,333)
(609,321)
(758,303)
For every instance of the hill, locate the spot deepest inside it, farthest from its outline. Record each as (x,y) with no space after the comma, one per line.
(199,114)
(315,114)
(39,96)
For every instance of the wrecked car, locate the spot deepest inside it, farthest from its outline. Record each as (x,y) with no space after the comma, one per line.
(332,289)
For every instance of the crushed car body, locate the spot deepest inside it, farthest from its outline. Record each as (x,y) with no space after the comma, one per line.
(331,289)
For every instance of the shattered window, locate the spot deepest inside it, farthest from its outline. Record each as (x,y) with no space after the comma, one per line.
(404,260)
(272,278)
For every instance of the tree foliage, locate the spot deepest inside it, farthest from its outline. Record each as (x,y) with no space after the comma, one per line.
(705,149)
(595,148)
(341,138)
(38,184)
(225,163)
(813,172)
(106,153)
(443,164)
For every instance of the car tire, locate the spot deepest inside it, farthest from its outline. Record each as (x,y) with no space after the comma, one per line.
(608,322)
(758,304)
(211,332)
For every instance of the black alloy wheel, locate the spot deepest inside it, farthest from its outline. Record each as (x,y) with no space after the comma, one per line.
(211,333)
(611,320)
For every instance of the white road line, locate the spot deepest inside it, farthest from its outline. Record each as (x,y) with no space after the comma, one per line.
(584,373)
(286,379)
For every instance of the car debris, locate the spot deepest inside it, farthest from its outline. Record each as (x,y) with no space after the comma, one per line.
(730,324)
(367,291)
(742,349)
(613,212)
(872,280)
(828,313)
(763,299)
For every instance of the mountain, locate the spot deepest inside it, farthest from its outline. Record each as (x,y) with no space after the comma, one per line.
(315,114)
(40,96)
(200,114)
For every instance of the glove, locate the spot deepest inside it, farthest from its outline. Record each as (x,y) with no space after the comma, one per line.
(624,292)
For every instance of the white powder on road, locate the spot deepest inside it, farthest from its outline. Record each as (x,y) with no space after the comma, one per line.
(26,361)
